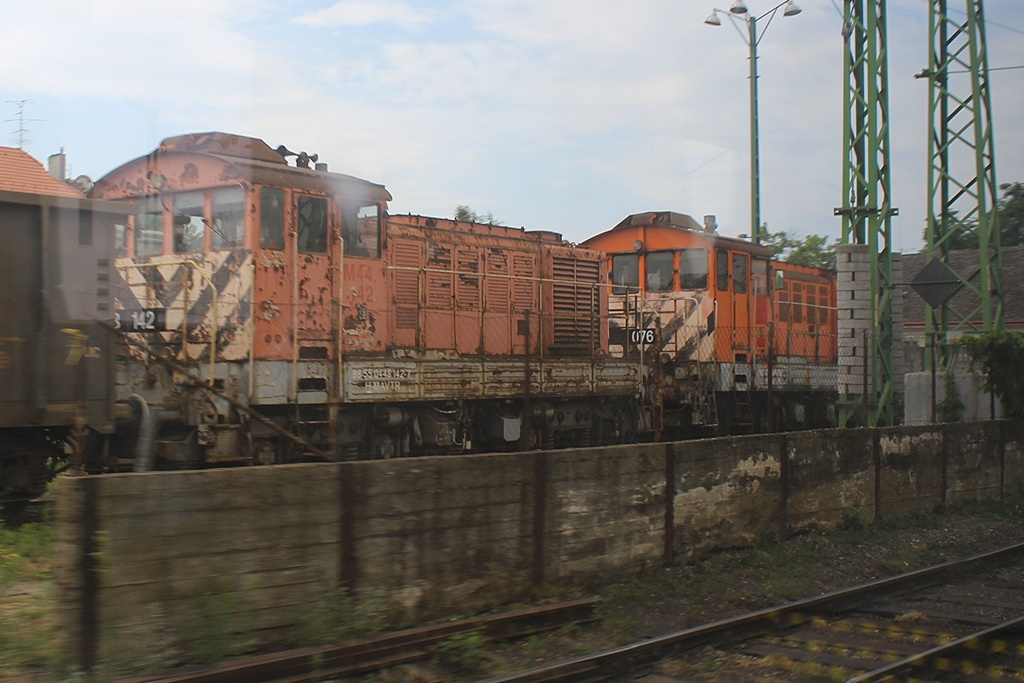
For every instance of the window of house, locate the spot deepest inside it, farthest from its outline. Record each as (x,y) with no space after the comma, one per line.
(625,272)
(189,224)
(149,226)
(722,270)
(739,273)
(227,219)
(312,232)
(272,218)
(693,269)
(660,267)
(360,229)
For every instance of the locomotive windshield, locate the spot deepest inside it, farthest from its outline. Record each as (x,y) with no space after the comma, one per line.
(188,222)
(228,221)
(660,267)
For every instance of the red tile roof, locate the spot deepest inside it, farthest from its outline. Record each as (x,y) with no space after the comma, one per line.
(19,172)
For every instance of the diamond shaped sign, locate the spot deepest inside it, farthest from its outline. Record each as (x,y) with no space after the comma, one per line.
(936,282)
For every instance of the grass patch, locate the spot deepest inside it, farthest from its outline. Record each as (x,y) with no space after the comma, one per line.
(27,605)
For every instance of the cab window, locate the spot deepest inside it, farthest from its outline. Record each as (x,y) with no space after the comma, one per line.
(659,271)
(149,227)
(722,270)
(625,272)
(360,229)
(228,218)
(189,225)
(272,218)
(693,269)
(739,273)
(312,229)
(760,277)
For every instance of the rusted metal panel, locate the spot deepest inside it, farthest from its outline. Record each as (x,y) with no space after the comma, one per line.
(365,324)
(468,379)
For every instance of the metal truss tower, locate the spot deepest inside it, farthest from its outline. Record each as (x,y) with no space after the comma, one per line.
(866,343)
(962,190)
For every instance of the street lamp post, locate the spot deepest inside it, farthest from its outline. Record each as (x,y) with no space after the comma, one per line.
(751,39)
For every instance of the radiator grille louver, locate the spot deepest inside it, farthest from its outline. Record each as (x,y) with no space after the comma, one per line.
(407,284)
(576,304)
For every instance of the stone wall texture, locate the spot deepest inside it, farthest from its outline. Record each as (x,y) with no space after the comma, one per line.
(181,562)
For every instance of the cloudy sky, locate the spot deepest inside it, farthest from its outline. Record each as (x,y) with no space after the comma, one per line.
(562,115)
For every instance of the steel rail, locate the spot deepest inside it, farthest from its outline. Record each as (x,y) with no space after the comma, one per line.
(921,659)
(376,652)
(616,660)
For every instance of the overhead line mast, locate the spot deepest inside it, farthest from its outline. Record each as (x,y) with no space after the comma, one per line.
(866,338)
(962,190)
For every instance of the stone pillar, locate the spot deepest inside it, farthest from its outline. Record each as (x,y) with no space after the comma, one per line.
(853,303)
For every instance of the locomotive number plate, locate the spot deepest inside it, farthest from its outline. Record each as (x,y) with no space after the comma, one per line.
(143,320)
(639,337)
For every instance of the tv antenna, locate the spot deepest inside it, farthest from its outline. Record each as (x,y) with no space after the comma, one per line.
(22,130)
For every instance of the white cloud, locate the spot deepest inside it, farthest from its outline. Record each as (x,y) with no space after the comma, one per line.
(558,114)
(362,13)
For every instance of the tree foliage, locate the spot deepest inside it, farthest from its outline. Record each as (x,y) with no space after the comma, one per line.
(813,250)
(1001,356)
(1009,214)
(464,213)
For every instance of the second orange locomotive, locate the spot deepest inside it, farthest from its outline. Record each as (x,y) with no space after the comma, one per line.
(733,340)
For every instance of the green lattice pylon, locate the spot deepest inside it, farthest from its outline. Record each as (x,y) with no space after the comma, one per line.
(962,190)
(867,211)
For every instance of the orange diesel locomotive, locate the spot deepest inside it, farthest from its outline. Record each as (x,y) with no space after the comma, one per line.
(272,310)
(732,339)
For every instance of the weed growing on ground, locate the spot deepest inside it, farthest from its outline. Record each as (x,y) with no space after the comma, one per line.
(465,650)
(339,615)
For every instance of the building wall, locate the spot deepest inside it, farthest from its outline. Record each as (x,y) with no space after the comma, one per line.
(170,562)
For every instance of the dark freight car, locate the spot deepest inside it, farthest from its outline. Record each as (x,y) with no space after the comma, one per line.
(56,307)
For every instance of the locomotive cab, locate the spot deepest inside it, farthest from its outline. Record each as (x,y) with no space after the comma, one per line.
(230,295)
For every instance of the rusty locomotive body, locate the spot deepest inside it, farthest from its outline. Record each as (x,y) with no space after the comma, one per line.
(271,311)
(263,309)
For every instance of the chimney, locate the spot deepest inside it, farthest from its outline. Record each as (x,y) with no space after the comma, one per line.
(57,164)
(709,223)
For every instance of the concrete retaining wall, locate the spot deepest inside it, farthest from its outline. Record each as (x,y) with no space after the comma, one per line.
(196,565)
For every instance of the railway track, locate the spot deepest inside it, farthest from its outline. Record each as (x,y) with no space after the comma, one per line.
(352,658)
(960,620)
